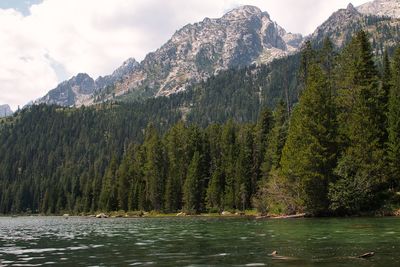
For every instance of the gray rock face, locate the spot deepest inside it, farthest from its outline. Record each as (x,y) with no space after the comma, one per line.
(79,90)
(71,92)
(390,8)
(127,68)
(343,24)
(5,111)
(337,26)
(243,36)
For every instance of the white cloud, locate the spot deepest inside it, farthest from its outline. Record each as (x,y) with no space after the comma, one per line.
(63,37)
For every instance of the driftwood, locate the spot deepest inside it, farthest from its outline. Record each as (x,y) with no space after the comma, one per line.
(275,256)
(263,217)
(366,255)
(301,215)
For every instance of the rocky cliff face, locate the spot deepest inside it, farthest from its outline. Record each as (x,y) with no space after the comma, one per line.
(80,89)
(244,36)
(5,111)
(337,26)
(343,24)
(390,8)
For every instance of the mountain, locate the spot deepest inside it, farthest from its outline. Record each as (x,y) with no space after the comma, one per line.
(242,37)
(390,8)
(5,111)
(384,32)
(79,90)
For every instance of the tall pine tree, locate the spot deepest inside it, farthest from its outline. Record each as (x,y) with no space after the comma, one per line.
(394,121)
(361,168)
(308,157)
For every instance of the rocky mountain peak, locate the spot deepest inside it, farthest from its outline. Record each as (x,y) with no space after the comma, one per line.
(336,23)
(243,12)
(129,61)
(351,8)
(127,67)
(243,36)
(344,23)
(389,8)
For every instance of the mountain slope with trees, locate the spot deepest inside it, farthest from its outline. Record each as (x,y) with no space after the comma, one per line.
(219,146)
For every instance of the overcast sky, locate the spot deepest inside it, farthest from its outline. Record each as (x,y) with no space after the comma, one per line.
(43,42)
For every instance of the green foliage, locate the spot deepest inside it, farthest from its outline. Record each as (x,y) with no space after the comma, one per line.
(218,146)
(192,190)
(275,140)
(394,122)
(361,112)
(308,156)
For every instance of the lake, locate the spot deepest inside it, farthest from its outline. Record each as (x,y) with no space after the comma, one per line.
(78,241)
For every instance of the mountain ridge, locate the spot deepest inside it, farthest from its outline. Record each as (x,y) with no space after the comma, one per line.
(383,31)
(80,89)
(390,8)
(241,37)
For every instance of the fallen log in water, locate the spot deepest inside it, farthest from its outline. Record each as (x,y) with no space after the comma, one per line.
(367,255)
(301,215)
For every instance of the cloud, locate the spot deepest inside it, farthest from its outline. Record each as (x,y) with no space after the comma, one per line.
(60,38)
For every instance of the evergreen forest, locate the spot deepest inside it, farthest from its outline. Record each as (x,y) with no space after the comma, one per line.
(315,133)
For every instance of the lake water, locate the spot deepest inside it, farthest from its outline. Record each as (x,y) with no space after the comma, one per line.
(36,241)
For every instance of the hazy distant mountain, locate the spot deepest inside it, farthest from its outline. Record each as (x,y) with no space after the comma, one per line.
(389,8)
(5,111)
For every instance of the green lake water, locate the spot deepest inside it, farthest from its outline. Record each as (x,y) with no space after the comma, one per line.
(37,241)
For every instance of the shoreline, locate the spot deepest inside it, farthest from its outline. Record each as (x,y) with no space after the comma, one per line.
(254,216)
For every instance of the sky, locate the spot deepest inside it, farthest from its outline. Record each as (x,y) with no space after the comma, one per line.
(43,42)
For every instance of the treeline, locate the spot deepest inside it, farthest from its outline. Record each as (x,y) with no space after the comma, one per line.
(49,154)
(194,169)
(335,152)
(188,167)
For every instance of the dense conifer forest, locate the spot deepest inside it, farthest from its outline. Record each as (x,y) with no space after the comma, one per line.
(317,133)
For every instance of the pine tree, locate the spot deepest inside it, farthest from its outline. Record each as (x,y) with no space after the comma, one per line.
(191,189)
(137,199)
(386,78)
(275,140)
(261,133)
(307,58)
(215,190)
(154,169)
(176,146)
(108,195)
(308,157)
(394,121)
(264,199)
(244,166)
(228,156)
(360,168)
(124,178)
